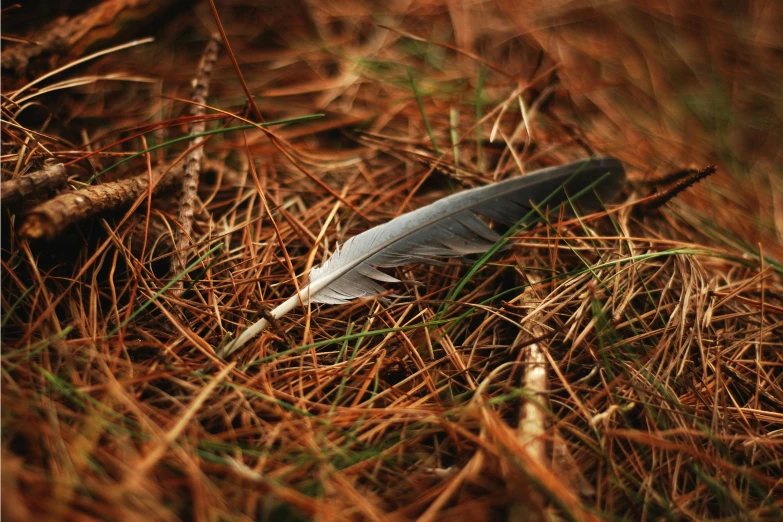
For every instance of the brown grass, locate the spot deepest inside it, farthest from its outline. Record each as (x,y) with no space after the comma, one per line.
(660,329)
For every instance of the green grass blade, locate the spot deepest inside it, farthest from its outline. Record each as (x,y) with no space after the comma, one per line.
(423,113)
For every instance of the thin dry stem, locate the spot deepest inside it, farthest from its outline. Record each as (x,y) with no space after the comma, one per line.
(192,167)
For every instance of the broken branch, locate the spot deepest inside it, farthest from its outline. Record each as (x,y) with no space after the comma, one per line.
(50,218)
(32,184)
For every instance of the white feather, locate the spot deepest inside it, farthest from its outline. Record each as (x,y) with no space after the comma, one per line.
(448,227)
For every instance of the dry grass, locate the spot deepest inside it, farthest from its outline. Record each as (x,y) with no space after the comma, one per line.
(661,329)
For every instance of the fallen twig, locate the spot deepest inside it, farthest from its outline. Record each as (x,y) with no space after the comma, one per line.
(15,190)
(75,34)
(193,159)
(693,177)
(50,218)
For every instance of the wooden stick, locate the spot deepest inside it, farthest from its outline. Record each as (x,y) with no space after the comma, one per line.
(531,427)
(15,190)
(73,35)
(192,167)
(50,218)
(661,198)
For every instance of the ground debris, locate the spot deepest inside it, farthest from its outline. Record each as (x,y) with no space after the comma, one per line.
(33,184)
(48,219)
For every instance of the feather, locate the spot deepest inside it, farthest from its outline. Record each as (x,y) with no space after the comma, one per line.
(449,227)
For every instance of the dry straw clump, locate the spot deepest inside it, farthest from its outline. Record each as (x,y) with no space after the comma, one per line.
(623,365)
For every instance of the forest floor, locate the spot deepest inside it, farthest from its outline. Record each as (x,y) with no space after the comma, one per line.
(624,365)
